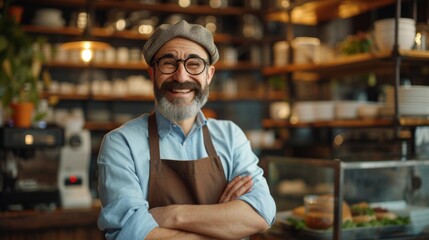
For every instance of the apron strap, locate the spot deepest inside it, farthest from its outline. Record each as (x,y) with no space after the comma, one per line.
(153,138)
(208,142)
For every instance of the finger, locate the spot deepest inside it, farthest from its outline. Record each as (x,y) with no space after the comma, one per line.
(231,184)
(236,188)
(228,187)
(237,193)
(240,190)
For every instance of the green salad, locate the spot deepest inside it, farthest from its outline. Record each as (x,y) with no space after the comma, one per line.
(300,223)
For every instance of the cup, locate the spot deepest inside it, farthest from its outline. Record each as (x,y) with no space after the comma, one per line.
(122,55)
(319,211)
(110,55)
(230,55)
(135,55)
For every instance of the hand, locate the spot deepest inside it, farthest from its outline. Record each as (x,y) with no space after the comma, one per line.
(163,215)
(236,188)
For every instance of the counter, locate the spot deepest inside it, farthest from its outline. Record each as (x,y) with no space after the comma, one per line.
(276,233)
(57,224)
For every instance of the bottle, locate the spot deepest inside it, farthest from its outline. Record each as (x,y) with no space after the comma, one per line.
(372,90)
(421,37)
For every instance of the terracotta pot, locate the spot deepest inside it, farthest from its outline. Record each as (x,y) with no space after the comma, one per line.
(22,114)
(16,12)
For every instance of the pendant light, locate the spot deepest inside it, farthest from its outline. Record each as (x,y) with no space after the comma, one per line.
(87,43)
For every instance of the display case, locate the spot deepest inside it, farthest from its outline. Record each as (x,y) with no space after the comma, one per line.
(395,193)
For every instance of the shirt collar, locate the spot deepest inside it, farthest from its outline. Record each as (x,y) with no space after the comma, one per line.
(165,126)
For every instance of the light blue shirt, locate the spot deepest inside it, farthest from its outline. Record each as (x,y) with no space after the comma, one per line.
(123,164)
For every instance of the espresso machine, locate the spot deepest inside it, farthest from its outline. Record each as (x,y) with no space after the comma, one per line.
(46,168)
(29,159)
(73,171)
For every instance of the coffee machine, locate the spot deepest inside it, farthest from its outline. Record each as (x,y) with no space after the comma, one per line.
(29,159)
(73,172)
(46,168)
(75,159)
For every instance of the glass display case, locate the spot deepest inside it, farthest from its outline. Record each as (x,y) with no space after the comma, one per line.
(386,199)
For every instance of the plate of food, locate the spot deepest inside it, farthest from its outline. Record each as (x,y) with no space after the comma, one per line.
(359,221)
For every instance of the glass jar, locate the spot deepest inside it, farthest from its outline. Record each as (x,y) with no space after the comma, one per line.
(421,39)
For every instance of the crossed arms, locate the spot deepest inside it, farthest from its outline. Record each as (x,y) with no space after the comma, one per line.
(229,219)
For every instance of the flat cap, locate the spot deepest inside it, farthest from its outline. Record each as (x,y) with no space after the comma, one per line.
(194,32)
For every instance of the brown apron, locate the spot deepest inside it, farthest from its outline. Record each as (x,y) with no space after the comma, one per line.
(199,181)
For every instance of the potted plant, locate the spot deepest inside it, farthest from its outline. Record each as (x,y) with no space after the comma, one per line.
(20,66)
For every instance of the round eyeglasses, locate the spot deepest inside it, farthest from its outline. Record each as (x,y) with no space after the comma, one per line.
(169,65)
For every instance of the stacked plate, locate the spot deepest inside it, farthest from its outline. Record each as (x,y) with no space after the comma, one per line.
(347,109)
(412,100)
(304,111)
(49,17)
(309,111)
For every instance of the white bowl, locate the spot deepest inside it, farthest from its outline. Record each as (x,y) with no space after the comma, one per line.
(385,41)
(324,110)
(390,22)
(279,110)
(369,110)
(306,50)
(384,32)
(347,109)
(281,50)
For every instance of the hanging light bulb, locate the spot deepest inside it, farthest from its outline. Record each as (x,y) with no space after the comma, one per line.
(87,53)
(86,45)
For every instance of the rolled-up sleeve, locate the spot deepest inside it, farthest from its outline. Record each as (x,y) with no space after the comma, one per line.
(259,198)
(239,159)
(124,214)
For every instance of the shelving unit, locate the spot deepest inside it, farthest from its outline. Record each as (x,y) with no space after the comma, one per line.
(383,63)
(242,66)
(391,63)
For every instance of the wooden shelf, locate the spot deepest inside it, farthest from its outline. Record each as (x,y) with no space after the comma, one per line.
(220,66)
(348,123)
(155,7)
(101,126)
(312,12)
(121,66)
(214,96)
(379,122)
(125,34)
(96,32)
(347,65)
(80,97)
(414,121)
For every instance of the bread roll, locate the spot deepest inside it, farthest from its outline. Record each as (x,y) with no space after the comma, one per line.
(363,218)
(362,213)
(322,216)
(299,212)
(382,213)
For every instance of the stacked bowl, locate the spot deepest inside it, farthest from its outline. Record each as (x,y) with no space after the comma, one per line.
(412,101)
(384,32)
(49,17)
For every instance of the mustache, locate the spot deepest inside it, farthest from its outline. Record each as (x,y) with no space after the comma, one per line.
(181,85)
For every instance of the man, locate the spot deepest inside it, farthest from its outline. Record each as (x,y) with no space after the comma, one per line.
(173,174)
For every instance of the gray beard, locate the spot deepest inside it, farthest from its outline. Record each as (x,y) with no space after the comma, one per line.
(178,110)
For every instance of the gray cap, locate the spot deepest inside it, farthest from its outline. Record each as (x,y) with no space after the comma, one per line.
(193,32)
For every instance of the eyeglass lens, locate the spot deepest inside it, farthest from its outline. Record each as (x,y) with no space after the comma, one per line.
(193,66)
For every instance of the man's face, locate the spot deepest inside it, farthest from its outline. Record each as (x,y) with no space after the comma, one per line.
(180,95)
